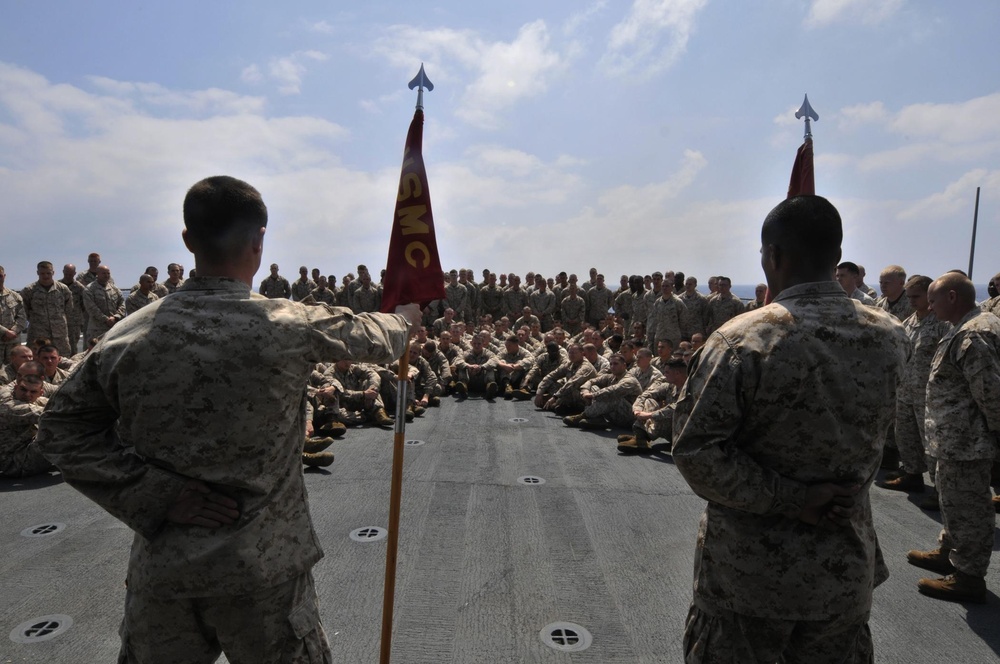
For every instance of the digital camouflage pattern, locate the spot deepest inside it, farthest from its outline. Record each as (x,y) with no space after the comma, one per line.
(275,287)
(720,309)
(666,320)
(138,300)
(46,310)
(697,309)
(613,397)
(12,318)
(924,336)
(101,303)
(968,518)
(19,456)
(300,289)
(901,308)
(963,390)
(236,366)
(799,392)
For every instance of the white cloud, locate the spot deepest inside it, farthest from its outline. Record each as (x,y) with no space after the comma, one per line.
(867,12)
(576,21)
(322,27)
(502,73)
(651,37)
(958,122)
(851,117)
(956,200)
(287,71)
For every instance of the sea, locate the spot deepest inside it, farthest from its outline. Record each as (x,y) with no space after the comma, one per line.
(746,291)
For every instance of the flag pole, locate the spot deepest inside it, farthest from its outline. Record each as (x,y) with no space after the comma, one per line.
(975,221)
(396,488)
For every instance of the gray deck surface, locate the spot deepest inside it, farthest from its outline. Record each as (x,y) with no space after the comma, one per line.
(485,562)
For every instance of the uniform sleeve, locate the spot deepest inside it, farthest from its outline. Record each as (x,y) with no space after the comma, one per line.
(371,337)
(77,434)
(980,365)
(709,415)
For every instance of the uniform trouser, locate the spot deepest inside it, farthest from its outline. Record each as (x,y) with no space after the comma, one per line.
(967,513)
(910,437)
(571,398)
(358,402)
(479,381)
(24,461)
(651,429)
(57,335)
(513,378)
(75,328)
(730,638)
(617,411)
(279,624)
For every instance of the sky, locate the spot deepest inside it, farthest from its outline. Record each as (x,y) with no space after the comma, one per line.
(631,136)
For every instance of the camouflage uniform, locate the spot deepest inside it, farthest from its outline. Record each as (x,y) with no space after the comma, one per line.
(77,315)
(666,321)
(326,296)
(457,297)
(275,287)
(651,376)
(901,308)
(613,398)
(697,309)
(963,421)
(12,317)
(235,365)
(910,397)
(172,287)
(639,308)
(623,304)
(659,399)
(300,289)
(101,303)
(796,393)
(572,311)
(46,309)
(514,302)
(599,300)
(353,383)
(19,456)
(720,310)
(426,380)
(441,367)
(991,305)
(565,382)
(491,301)
(522,358)
(366,300)
(487,375)
(137,300)
(543,305)
(526,321)
(471,302)
(542,367)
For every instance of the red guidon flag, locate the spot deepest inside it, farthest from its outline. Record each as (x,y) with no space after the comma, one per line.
(802,181)
(413,269)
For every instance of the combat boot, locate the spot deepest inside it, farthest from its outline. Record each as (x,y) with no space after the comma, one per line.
(622,437)
(572,420)
(461,390)
(318,460)
(957,587)
(408,414)
(418,410)
(638,444)
(491,390)
(910,482)
(434,401)
(382,419)
(594,423)
(508,392)
(521,395)
(934,561)
(334,429)
(316,444)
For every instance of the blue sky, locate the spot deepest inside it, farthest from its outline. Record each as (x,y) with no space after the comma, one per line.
(630,136)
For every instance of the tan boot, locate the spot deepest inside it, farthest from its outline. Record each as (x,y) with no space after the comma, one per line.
(638,444)
(318,460)
(911,482)
(334,429)
(382,419)
(935,560)
(316,444)
(957,587)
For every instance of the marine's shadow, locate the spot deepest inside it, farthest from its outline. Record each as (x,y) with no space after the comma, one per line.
(9,484)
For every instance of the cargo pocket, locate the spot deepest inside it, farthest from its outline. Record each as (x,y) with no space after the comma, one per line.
(313,647)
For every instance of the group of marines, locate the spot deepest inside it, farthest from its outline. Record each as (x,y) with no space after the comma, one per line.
(597,357)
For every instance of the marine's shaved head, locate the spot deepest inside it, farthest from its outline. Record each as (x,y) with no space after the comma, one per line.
(808,228)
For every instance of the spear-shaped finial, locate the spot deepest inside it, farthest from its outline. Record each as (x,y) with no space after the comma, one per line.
(420,81)
(805,110)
